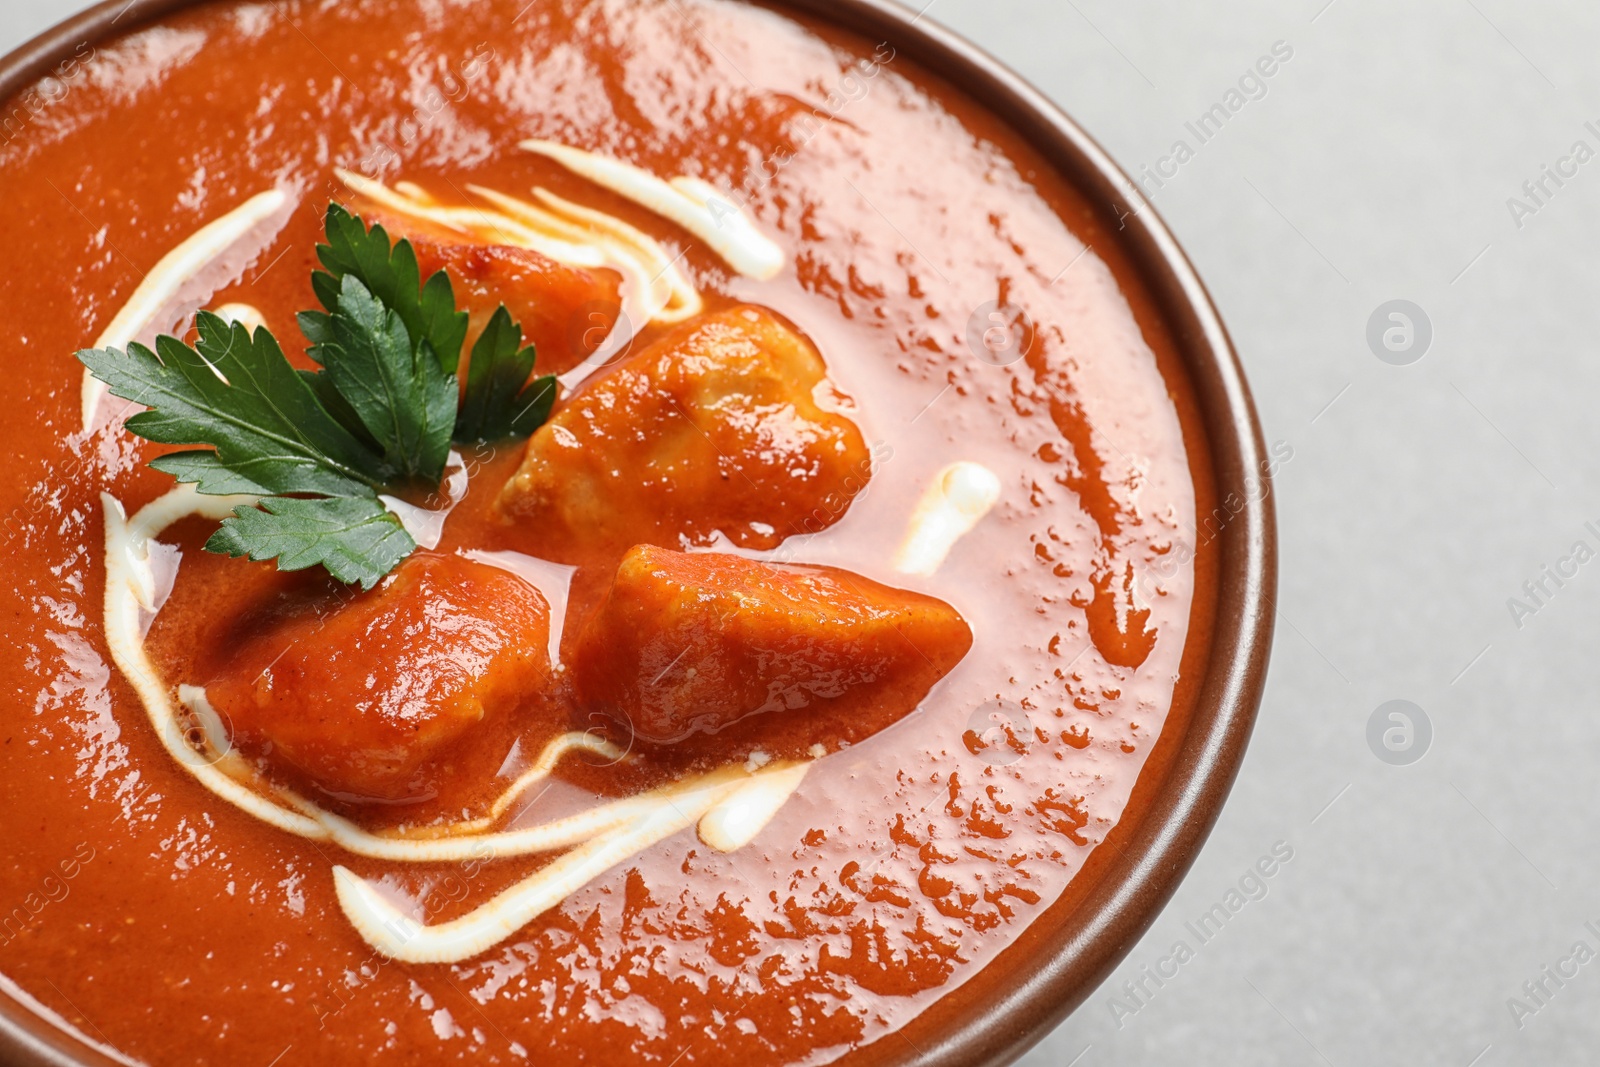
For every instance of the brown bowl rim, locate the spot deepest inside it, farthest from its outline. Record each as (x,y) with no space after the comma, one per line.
(998,1025)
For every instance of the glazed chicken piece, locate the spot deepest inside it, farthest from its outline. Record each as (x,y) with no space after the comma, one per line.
(361,698)
(566,312)
(714,428)
(695,643)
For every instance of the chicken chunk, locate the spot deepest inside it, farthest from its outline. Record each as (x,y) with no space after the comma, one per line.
(695,643)
(714,428)
(360,698)
(566,312)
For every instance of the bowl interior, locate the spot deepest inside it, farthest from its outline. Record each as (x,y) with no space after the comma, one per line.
(1074,944)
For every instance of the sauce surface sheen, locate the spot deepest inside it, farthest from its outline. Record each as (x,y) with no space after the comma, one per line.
(188,932)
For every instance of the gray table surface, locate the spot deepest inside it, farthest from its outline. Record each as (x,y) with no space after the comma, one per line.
(1378,163)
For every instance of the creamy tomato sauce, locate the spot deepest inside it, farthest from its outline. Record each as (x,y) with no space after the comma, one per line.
(913,852)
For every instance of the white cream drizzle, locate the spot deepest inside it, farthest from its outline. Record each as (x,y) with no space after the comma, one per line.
(158,296)
(654,289)
(735,820)
(426,525)
(491,227)
(731,804)
(692,203)
(247,315)
(399,936)
(953,505)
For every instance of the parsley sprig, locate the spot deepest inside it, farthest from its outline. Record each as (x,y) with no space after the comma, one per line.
(322,447)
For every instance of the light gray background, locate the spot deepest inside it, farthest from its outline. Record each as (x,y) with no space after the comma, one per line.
(1420,498)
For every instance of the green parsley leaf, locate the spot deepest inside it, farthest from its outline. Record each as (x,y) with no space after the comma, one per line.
(497,404)
(206,471)
(401,395)
(321,447)
(270,435)
(391,274)
(338,407)
(239,395)
(355,538)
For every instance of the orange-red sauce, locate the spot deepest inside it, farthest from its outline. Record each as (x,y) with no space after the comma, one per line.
(193,934)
